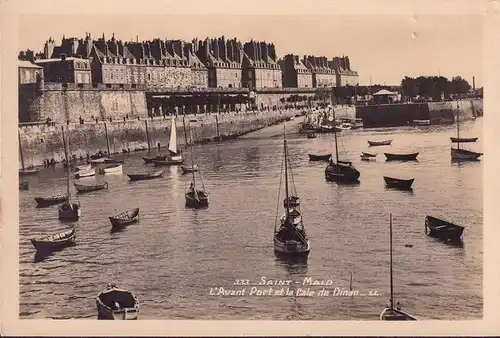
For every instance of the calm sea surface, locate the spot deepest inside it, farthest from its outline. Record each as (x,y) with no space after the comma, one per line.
(174,255)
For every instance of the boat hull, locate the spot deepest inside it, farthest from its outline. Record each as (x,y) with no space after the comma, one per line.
(43,202)
(85,173)
(192,202)
(463,140)
(116,169)
(443,230)
(148,176)
(401,157)
(97,160)
(129,305)
(379,143)
(55,242)
(69,214)
(28,172)
(398,183)
(151,159)
(395,315)
(187,170)
(89,188)
(341,173)
(324,158)
(23,185)
(291,248)
(167,162)
(464,155)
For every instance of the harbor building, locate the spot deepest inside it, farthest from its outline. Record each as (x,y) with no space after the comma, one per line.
(295,73)
(345,76)
(260,66)
(322,74)
(28,72)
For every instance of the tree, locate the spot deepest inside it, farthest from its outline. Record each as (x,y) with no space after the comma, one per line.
(459,85)
(409,86)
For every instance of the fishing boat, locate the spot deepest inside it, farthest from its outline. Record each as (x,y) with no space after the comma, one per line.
(311,135)
(25,171)
(398,183)
(390,312)
(55,242)
(24,185)
(290,238)
(84,173)
(111,169)
(117,304)
(401,157)
(340,171)
(70,210)
(459,154)
(189,169)
(324,158)
(43,202)
(146,176)
(196,198)
(125,218)
(82,188)
(463,140)
(443,230)
(380,143)
(157,157)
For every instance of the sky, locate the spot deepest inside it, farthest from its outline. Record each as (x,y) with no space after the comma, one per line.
(382,48)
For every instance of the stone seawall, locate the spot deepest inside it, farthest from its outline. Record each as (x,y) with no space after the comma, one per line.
(392,115)
(43,142)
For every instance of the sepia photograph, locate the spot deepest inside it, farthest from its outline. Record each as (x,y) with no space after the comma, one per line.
(191,166)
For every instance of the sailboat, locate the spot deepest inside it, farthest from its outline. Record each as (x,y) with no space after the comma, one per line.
(390,312)
(340,170)
(195,198)
(458,154)
(70,210)
(175,156)
(25,171)
(290,238)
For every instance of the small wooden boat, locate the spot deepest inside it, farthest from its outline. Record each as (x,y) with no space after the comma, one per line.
(157,157)
(146,176)
(398,183)
(83,167)
(125,218)
(24,185)
(367,158)
(442,229)
(54,242)
(344,126)
(111,169)
(324,158)
(379,143)
(69,211)
(401,157)
(311,135)
(43,202)
(167,162)
(28,172)
(291,202)
(97,160)
(112,160)
(368,154)
(464,155)
(85,173)
(81,188)
(390,312)
(196,199)
(463,140)
(117,304)
(190,169)
(421,122)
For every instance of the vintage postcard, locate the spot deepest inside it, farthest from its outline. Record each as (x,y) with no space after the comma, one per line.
(318,167)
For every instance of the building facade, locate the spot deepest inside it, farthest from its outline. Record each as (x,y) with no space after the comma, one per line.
(66,69)
(260,66)
(295,73)
(345,75)
(28,72)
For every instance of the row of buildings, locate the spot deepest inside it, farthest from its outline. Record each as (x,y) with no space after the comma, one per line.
(209,63)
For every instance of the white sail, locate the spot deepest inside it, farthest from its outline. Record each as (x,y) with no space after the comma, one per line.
(173,137)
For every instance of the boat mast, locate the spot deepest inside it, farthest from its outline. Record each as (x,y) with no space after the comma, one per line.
(20,149)
(66,146)
(334,131)
(458,127)
(286,174)
(192,163)
(390,244)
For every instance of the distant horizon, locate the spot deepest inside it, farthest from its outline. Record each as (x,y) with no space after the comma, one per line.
(382,49)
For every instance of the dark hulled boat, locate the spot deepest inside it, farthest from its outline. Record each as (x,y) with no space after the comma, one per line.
(157,158)
(443,230)
(324,158)
(166,162)
(195,198)
(125,218)
(54,242)
(401,157)
(290,238)
(24,185)
(70,210)
(379,143)
(146,176)
(463,140)
(398,183)
(458,154)
(28,172)
(83,188)
(117,304)
(390,312)
(43,202)
(189,169)
(311,135)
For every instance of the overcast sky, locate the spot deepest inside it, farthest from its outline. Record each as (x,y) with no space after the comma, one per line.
(383,48)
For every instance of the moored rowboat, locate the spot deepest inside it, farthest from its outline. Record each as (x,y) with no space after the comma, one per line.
(43,202)
(168,162)
(111,169)
(463,140)
(117,304)
(189,169)
(401,157)
(442,229)
(54,242)
(379,143)
(146,176)
(398,183)
(150,159)
(81,188)
(27,172)
(85,173)
(124,218)
(325,157)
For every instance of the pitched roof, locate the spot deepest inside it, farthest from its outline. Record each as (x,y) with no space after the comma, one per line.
(26,64)
(385,92)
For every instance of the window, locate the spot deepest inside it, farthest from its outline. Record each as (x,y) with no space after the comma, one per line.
(149,77)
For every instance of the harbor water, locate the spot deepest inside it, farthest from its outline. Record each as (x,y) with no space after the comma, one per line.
(174,257)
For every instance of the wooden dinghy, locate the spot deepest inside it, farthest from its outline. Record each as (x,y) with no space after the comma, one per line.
(97,160)
(81,188)
(401,157)
(443,230)
(28,172)
(83,167)
(43,202)
(85,173)
(117,304)
(157,157)
(170,161)
(125,218)
(69,211)
(111,169)
(24,185)
(196,199)
(379,143)
(189,169)
(113,160)
(368,157)
(463,140)
(146,176)
(464,155)
(324,158)
(55,242)
(398,183)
